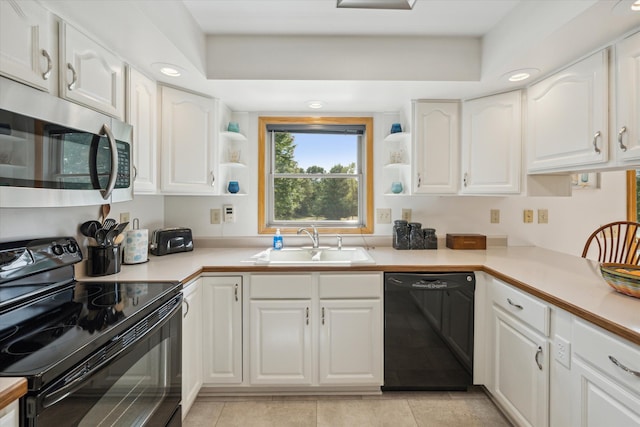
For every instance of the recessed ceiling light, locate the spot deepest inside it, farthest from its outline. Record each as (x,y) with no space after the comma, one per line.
(167,69)
(315,104)
(520,75)
(625,7)
(636,6)
(377,4)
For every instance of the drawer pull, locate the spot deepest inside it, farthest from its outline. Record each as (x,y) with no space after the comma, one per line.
(595,142)
(513,304)
(47,73)
(538,353)
(323,315)
(186,303)
(620,134)
(235,291)
(624,368)
(307,316)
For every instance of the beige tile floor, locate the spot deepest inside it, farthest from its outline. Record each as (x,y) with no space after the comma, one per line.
(398,409)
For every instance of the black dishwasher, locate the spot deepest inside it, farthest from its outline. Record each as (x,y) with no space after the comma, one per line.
(428,333)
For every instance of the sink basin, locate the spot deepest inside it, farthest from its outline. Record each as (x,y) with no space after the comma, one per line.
(307,256)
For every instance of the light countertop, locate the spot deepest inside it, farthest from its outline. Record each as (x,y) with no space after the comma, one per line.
(11,389)
(568,282)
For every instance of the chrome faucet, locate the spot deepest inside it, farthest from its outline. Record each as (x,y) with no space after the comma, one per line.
(315,238)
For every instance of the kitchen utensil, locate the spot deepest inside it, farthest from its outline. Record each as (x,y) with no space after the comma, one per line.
(109,223)
(115,232)
(89,228)
(101,236)
(104,211)
(119,239)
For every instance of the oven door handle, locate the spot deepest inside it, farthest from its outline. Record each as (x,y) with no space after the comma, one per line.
(55,396)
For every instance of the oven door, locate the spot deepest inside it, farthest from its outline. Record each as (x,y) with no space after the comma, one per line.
(139,386)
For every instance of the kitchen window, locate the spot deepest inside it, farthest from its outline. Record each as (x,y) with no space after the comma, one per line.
(316,170)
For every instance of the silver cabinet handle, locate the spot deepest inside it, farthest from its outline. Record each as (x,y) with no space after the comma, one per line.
(622,131)
(595,142)
(135,172)
(113,174)
(323,315)
(213,179)
(235,291)
(624,368)
(187,310)
(74,77)
(538,353)
(513,304)
(419,180)
(47,73)
(465,179)
(306,317)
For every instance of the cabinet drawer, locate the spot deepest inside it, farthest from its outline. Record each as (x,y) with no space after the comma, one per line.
(350,285)
(597,347)
(522,306)
(273,286)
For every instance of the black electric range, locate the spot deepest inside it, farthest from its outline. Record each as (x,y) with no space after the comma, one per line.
(57,331)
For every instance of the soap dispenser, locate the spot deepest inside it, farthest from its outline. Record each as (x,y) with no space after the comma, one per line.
(277,240)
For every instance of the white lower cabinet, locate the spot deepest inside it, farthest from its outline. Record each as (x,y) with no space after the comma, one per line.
(605,378)
(281,342)
(191,344)
(520,355)
(316,329)
(10,415)
(222,337)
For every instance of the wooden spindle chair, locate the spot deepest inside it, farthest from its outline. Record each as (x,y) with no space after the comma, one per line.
(617,242)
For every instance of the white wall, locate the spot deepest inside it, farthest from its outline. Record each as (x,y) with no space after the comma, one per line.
(571,219)
(25,223)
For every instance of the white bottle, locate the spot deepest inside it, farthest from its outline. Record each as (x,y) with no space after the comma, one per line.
(277,240)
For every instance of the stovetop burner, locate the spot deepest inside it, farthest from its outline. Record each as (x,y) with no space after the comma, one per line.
(44,337)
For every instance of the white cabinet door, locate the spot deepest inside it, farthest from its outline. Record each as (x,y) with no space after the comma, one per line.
(568,116)
(191,344)
(142,114)
(281,342)
(187,136)
(599,401)
(520,371)
(350,342)
(26,44)
(10,415)
(90,74)
(627,143)
(492,144)
(435,144)
(222,330)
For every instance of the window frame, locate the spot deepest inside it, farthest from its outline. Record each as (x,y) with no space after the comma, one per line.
(367,171)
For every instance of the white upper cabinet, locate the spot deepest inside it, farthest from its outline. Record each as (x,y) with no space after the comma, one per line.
(627,132)
(26,44)
(492,144)
(568,116)
(435,143)
(142,112)
(187,138)
(90,74)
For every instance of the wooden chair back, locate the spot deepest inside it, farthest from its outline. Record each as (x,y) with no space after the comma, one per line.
(616,242)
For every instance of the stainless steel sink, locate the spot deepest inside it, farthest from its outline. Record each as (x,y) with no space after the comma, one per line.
(314,257)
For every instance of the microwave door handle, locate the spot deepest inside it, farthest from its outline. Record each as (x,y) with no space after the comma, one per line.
(113,174)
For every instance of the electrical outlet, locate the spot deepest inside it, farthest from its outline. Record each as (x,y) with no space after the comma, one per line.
(528,216)
(562,351)
(124,217)
(406,214)
(229,213)
(383,216)
(543,216)
(495,216)
(216,216)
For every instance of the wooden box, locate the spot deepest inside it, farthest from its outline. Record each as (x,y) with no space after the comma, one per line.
(466,241)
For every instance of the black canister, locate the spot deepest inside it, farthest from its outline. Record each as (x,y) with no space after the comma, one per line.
(416,236)
(103,260)
(430,239)
(400,234)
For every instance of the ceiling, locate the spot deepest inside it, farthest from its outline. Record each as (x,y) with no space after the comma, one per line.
(322,17)
(508,34)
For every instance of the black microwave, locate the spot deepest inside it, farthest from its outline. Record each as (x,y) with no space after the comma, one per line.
(56,153)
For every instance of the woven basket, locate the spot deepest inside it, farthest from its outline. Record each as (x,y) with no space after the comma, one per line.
(621,277)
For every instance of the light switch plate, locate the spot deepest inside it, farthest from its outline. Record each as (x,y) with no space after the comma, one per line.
(229,214)
(528,216)
(406,214)
(543,216)
(216,216)
(495,216)
(383,216)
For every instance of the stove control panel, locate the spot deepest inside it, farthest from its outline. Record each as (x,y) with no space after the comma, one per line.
(27,257)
